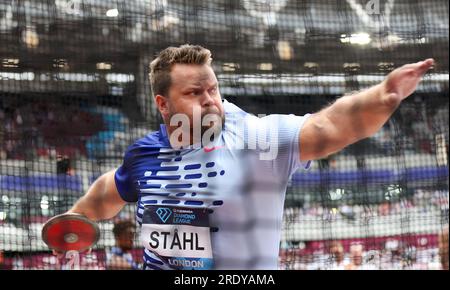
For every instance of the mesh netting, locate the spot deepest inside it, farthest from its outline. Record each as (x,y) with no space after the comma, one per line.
(74,94)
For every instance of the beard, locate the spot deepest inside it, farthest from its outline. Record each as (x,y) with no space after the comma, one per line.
(215,121)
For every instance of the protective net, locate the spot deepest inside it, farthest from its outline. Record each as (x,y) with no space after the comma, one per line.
(74,93)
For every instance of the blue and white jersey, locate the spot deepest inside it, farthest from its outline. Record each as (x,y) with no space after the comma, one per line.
(217,207)
(115,252)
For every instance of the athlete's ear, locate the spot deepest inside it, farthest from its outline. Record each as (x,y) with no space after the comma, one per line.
(163,105)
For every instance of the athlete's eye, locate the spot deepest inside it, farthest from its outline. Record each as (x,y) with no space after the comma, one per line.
(213,90)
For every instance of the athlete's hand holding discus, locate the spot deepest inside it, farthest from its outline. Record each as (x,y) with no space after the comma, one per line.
(77,230)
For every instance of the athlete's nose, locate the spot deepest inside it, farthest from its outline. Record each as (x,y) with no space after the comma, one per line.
(207,100)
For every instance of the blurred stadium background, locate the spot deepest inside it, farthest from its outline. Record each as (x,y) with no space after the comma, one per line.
(74,94)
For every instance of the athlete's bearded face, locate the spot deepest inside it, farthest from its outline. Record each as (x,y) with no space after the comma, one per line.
(194,90)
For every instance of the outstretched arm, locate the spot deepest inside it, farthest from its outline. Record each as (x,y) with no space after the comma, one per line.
(355,117)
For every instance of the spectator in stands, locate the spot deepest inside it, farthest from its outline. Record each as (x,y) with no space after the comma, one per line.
(64,166)
(443,248)
(410,261)
(392,255)
(120,257)
(337,256)
(356,257)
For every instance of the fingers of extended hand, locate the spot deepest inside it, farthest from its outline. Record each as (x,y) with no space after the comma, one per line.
(423,66)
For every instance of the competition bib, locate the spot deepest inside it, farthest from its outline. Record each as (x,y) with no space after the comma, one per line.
(178,236)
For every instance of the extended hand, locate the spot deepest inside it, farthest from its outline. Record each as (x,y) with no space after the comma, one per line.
(402,82)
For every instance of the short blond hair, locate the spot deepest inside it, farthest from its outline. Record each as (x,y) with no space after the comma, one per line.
(161,66)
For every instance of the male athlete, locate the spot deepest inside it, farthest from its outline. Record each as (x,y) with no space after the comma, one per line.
(119,257)
(210,185)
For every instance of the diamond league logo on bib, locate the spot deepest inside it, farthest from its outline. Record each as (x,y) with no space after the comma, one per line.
(178,236)
(163,213)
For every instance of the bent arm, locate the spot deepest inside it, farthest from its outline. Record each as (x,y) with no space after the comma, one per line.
(102,200)
(355,117)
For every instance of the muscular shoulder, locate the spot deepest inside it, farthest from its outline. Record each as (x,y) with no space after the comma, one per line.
(151,142)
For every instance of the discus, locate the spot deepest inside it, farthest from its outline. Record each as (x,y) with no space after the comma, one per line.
(70,232)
